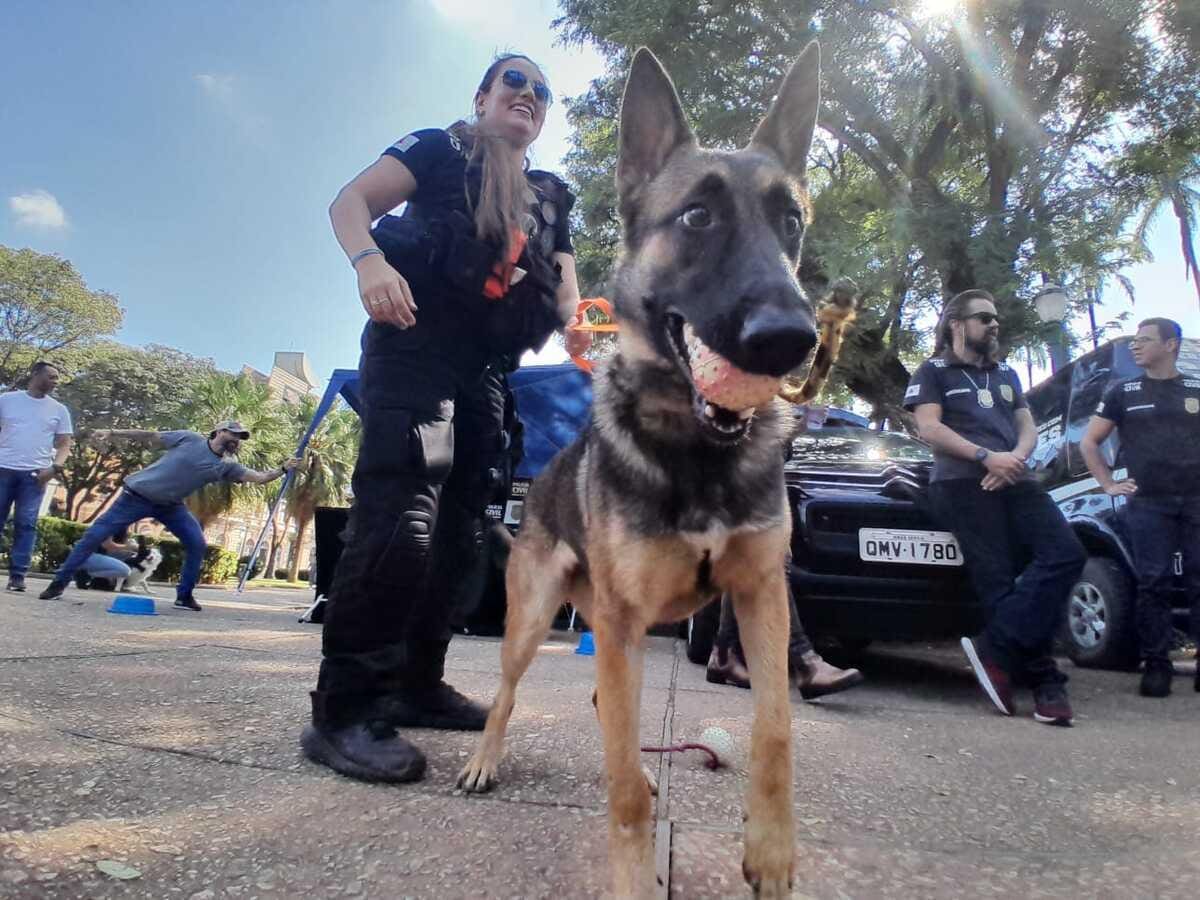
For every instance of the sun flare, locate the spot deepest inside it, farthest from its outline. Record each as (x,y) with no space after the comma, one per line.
(936,9)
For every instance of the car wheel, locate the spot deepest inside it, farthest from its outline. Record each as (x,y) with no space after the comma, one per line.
(1100,631)
(702,632)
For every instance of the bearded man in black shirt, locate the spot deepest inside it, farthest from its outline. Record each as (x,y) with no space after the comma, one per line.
(1021,554)
(1157,417)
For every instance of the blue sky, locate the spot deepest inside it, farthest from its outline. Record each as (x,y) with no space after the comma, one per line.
(183,156)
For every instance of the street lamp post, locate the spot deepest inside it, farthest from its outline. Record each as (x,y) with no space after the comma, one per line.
(1051,304)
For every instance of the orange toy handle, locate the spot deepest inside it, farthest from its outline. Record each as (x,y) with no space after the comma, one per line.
(610,326)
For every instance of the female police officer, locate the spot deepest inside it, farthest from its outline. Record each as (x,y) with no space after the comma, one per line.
(477,269)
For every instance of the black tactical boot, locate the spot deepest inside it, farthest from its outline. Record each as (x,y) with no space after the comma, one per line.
(1156,680)
(369,750)
(439,706)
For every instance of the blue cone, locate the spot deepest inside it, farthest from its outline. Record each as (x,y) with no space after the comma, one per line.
(587,645)
(127,605)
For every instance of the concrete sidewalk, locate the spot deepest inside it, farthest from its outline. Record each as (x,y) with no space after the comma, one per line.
(164,749)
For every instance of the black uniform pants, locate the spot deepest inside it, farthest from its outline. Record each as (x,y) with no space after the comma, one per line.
(729,635)
(432,432)
(1023,559)
(1160,527)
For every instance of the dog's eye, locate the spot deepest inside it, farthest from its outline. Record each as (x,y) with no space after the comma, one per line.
(696,217)
(792,224)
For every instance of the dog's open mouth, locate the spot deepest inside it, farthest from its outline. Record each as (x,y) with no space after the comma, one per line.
(724,397)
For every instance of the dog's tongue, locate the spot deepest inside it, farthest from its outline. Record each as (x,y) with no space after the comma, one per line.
(722,383)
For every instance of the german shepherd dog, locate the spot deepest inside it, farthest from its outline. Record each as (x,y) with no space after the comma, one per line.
(667,498)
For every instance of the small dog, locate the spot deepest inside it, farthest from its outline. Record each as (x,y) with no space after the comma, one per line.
(674,492)
(141,567)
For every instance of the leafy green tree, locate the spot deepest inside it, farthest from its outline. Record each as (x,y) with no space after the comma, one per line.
(979,148)
(1167,173)
(1160,167)
(46,310)
(116,386)
(218,397)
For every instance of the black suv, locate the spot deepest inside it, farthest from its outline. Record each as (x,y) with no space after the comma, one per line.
(1100,628)
(868,562)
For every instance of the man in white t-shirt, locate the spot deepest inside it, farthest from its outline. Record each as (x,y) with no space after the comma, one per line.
(35,438)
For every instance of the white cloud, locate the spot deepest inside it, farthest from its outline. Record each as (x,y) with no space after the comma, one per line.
(216,85)
(38,209)
(228,96)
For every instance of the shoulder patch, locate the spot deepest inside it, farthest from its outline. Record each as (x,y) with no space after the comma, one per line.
(1133,386)
(454,142)
(938,363)
(914,390)
(1003,367)
(407,142)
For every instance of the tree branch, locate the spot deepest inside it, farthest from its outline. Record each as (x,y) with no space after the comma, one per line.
(836,124)
(865,116)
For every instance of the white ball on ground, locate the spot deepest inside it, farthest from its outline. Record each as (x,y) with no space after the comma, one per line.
(720,742)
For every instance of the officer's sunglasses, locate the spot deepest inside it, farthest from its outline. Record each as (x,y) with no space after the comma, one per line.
(516,79)
(984,318)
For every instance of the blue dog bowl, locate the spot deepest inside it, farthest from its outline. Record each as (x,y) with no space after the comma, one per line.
(128,605)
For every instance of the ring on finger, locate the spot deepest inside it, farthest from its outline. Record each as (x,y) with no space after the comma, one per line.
(377,301)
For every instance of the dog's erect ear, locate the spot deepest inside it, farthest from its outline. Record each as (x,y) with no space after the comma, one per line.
(787,130)
(652,123)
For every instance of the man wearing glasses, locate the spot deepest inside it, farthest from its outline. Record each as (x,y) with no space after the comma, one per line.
(1021,554)
(1157,416)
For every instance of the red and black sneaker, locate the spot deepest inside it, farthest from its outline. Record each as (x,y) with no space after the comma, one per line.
(1051,705)
(994,680)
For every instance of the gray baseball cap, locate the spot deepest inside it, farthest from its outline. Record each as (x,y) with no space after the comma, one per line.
(233,427)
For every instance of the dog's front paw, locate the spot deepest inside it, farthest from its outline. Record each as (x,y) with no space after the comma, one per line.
(768,866)
(651,781)
(479,775)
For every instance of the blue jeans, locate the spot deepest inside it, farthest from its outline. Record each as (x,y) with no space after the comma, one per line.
(1023,559)
(98,565)
(20,489)
(130,508)
(1159,527)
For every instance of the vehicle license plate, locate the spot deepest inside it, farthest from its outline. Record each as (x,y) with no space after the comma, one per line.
(922,548)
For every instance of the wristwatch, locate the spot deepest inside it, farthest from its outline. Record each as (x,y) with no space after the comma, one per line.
(981,454)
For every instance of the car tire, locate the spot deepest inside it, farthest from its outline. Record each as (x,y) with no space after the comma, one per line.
(1100,631)
(702,632)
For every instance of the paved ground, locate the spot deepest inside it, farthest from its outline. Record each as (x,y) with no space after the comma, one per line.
(164,749)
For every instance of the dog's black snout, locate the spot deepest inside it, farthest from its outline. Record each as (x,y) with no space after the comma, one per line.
(774,341)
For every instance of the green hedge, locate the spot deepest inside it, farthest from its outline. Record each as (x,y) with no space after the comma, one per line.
(57,536)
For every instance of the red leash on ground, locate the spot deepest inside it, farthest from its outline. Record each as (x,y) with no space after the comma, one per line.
(713,762)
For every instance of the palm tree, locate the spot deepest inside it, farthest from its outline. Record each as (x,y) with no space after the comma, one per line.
(1169,171)
(324,479)
(218,397)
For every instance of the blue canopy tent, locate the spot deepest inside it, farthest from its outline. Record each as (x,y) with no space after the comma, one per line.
(552,402)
